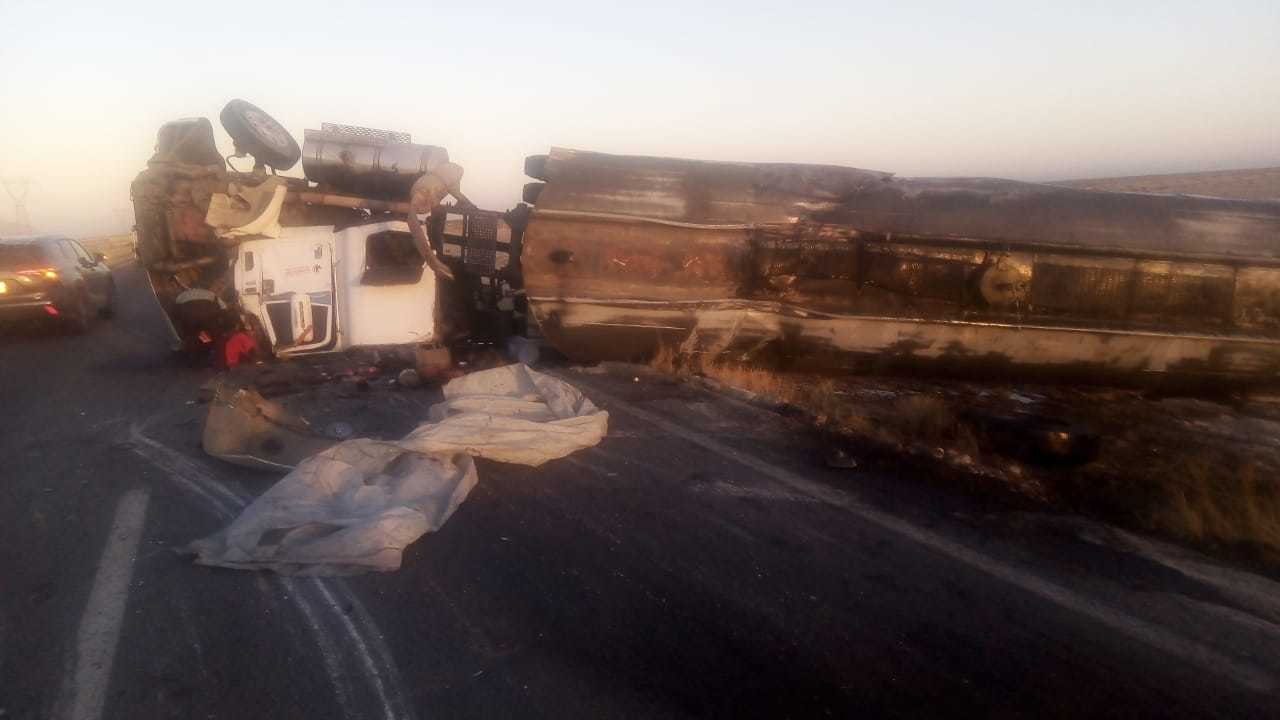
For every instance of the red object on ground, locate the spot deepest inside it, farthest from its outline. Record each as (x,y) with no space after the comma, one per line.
(240,346)
(53,311)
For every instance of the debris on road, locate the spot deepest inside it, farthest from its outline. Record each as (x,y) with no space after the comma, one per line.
(355,506)
(431,362)
(246,429)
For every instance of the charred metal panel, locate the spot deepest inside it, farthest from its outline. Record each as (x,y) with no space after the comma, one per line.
(831,265)
(960,209)
(804,265)
(1189,296)
(1081,288)
(919,274)
(1028,214)
(591,330)
(1256,304)
(601,258)
(696,192)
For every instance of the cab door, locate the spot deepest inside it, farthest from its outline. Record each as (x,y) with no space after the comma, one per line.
(293,276)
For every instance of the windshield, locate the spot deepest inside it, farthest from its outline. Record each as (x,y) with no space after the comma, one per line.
(22,256)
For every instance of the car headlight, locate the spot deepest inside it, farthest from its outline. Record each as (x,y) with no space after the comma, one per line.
(4,287)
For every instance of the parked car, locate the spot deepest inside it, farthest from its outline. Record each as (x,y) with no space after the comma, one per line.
(56,278)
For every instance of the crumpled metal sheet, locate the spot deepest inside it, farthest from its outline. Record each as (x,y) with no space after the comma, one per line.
(248,210)
(246,429)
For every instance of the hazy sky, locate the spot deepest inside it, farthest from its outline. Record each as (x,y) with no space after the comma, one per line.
(1019,89)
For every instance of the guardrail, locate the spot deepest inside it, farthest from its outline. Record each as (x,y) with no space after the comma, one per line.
(117,248)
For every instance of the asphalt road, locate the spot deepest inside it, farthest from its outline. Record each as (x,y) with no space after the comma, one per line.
(697,563)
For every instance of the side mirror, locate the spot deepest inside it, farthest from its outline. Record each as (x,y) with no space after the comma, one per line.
(100,257)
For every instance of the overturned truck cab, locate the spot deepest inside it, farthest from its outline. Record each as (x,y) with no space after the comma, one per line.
(363,252)
(840,269)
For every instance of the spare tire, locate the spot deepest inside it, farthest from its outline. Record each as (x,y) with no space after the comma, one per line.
(258,134)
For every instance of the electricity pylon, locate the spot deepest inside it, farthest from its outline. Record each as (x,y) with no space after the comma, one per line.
(18,188)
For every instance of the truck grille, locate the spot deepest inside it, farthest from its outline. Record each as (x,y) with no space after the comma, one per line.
(479,253)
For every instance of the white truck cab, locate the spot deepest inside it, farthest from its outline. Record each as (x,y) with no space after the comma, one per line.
(317,289)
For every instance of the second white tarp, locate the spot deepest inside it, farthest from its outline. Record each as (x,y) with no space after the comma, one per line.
(356,506)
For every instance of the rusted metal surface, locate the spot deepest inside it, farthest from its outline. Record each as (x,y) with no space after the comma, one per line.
(834,266)
(425,197)
(353,202)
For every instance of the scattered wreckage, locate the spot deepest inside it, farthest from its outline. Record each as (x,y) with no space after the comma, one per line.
(805,266)
(353,506)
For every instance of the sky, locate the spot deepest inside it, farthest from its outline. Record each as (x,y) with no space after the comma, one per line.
(1025,90)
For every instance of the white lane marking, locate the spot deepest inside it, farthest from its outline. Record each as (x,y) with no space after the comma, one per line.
(205,484)
(188,474)
(1190,651)
(373,634)
(366,660)
(328,649)
(84,691)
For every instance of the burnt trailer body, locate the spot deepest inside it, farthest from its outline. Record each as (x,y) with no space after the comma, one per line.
(840,268)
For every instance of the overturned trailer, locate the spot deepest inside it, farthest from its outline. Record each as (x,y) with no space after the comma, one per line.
(840,268)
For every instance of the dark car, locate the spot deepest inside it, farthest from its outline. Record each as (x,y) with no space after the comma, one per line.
(53,277)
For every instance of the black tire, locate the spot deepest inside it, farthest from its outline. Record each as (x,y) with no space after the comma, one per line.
(79,318)
(535,166)
(532,191)
(109,307)
(258,134)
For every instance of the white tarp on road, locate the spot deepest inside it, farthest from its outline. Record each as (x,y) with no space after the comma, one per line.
(356,506)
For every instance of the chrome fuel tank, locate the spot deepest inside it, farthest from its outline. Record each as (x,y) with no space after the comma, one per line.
(367,162)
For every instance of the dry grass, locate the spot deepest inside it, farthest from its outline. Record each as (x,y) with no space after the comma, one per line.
(818,396)
(753,379)
(909,420)
(1202,491)
(1200,503)
(924,417)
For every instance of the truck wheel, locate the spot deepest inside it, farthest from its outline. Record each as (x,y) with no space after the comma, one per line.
(532,191)
(258,134)
(535,166)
